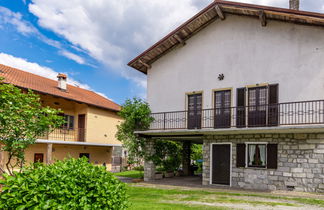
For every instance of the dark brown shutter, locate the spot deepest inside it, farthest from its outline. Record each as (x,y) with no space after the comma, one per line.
(240,110)
(273,109)
(272,156)
(240,155)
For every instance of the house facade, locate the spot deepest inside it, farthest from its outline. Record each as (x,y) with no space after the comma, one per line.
(90,121)
(246,81)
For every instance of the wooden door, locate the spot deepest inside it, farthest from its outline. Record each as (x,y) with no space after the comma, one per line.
(221,164)
(194,111)
(222,113)
(257,107)
(81,127)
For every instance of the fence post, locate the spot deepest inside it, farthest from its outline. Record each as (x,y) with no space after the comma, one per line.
(164,120)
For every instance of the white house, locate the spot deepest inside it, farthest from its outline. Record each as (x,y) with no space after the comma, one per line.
(247,81)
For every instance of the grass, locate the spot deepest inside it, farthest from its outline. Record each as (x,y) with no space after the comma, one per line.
(153,198)
(131,174)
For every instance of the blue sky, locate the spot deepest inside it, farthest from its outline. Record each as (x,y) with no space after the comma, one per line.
(92,41)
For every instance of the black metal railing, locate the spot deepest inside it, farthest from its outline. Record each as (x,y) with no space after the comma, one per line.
(65,134)
(281,114)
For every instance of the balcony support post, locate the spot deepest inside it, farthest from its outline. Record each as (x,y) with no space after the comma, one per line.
(49,154)
(149,166)
(186,150)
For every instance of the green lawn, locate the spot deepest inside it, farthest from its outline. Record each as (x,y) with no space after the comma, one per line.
(153,198)
(131,174)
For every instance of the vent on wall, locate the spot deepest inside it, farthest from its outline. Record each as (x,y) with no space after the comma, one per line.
(290,188)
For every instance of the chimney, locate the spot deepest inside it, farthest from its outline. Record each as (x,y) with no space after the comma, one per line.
(62,81)
(294,4)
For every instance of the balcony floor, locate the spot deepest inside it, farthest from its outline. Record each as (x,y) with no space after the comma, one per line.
(198,133)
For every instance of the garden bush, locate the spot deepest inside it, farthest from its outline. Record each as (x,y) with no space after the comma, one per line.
(139,168)
(68,184)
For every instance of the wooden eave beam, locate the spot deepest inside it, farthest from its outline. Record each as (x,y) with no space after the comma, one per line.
(178,38)
(219,12)
(262,17)
(144,64)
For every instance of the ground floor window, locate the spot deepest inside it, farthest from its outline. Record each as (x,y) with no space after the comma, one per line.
(38,157)
(257,155)
(87,155)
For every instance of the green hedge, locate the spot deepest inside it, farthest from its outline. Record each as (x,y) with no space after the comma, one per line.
(68,184)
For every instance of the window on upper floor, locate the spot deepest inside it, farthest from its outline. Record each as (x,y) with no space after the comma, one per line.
(68,122)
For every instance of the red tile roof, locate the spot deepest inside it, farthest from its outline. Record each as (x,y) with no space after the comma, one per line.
(44,85)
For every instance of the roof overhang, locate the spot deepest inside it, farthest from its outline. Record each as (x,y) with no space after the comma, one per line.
(76,143)
(218,10)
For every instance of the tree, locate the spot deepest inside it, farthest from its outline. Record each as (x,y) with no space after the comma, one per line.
(22,120)
(136,115)
(168,155)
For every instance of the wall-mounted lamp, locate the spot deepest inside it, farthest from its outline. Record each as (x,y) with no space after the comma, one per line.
(221,77)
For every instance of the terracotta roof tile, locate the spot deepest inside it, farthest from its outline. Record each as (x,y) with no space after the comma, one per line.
(44,85)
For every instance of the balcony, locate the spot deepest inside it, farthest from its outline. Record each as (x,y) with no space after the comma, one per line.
(63,134)
(268,115)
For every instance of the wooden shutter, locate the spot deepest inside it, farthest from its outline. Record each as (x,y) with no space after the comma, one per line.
(272,156)
(240,155)
(240,107)
(273,108)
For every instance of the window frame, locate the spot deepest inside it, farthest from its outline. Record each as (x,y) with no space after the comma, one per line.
(67,122)
(247,155)
(41,154)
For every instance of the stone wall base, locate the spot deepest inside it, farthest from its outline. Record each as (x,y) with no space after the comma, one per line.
(300,162)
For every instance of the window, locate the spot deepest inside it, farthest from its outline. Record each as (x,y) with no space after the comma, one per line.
(69,122)
(38,157)
(256,155)
(87,155)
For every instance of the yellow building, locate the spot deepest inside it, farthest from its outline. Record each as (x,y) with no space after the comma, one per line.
(91,121)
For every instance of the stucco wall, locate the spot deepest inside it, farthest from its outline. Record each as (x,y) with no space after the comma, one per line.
(247,54)
(100,123)
(98,155)
(102,126)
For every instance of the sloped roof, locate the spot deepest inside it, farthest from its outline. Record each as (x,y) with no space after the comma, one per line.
(44,85)
(209,14)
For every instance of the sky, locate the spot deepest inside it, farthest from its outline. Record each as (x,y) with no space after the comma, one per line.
(93,40)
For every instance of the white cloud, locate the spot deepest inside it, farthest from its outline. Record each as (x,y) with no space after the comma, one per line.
(307,5)
(35,68)
(72,56)
(43,71)
(114,31)
(27,29)
(7,16)
(274,3)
